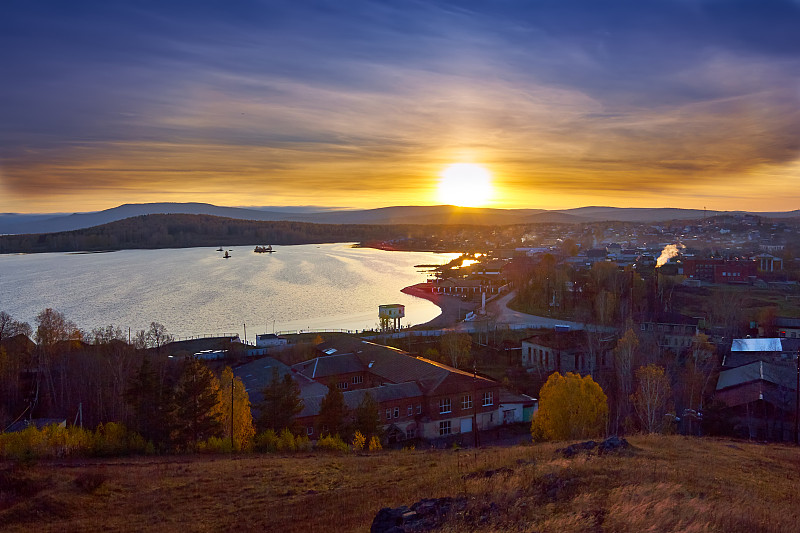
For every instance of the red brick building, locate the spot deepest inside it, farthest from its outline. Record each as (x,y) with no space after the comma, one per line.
(418,398)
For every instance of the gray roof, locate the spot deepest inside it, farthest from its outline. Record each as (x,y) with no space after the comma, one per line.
(389,363)
(384,393)
(329,365)
(258,374)
(506,396)
(779,374)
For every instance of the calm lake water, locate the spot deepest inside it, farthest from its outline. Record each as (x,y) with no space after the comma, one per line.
(194,291)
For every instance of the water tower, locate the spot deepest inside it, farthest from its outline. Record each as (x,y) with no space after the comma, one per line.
(390,315)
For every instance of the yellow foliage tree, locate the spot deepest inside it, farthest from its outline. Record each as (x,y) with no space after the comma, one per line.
(570,407)
(359,441)
(651,398)
(243,429)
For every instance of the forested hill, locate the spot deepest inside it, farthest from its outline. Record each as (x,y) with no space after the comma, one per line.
(184,231)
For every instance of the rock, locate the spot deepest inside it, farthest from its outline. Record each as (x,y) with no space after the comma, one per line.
(425,515)
(613,444)
(389,520)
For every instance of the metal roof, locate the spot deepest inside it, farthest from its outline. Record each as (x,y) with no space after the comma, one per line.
(779,374)
(757,345)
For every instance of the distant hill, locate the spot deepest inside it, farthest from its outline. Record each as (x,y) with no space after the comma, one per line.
(182,230)
(11,223)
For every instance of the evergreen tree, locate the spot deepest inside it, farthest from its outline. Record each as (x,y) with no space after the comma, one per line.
(333,412)
(367,417)
(280,405)
(152,405)
(197,398)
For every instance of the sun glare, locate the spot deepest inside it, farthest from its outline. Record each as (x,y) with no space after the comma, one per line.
(466,185)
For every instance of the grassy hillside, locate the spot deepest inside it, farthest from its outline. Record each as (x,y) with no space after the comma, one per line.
(664,484)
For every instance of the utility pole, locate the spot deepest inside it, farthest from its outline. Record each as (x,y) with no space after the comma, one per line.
(233,383)
(797,403)
(475,405)
(245,333)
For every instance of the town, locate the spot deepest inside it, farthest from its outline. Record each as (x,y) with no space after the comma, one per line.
(710,304)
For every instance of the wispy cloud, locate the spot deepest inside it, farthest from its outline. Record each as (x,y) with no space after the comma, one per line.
(652,102)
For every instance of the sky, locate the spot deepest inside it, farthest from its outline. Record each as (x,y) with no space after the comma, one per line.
(364,104)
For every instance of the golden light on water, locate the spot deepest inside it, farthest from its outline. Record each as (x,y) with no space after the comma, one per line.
(466,185)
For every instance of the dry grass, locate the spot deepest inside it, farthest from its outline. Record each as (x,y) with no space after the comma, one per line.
(666,484)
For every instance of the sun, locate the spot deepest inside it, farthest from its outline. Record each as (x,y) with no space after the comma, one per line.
(465,185)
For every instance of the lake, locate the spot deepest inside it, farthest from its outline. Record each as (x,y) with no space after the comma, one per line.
(195,291)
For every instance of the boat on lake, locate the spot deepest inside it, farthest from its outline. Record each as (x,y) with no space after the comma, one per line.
(220,249)
(227,255)
(263,249)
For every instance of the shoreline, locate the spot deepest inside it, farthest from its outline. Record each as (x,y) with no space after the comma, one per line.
(451,306)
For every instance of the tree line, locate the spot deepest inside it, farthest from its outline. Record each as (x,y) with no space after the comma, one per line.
(162,402)
(182,231)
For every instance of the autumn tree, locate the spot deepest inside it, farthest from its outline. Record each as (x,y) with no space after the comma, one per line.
(333,412)
(699,368)
(157,336)
(197,398)
(624,356)
(456,348)
(52,328)
(651,399)
(570,407)
(243,430)
(280,404)
(11,328)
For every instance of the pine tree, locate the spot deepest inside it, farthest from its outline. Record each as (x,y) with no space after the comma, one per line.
(197,398)
(367,417)
(280,405)
(333,412)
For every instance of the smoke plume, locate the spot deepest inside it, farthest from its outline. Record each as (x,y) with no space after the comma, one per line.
(669,251)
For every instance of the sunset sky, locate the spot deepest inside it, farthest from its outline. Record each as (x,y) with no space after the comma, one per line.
(648,103)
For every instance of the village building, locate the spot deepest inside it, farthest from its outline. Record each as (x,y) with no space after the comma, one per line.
(567,351)
(675,332)
(758,386)
(417,397)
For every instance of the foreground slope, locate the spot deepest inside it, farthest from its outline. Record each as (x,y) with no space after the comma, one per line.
(663,484)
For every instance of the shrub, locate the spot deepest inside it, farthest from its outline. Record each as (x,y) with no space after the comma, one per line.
(266,441)
(332,443)
(215,445)
(286,442)
(375,444)
(359,441)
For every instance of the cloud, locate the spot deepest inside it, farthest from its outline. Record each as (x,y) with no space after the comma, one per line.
(559,98)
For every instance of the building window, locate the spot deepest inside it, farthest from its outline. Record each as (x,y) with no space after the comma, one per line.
(419,408)
(388,414)
(466,401)
(410,410)
(444,405)
(310,430)
(397,412)
(358,379)
(341,385)
(444,428)
(411,433)
(488,398)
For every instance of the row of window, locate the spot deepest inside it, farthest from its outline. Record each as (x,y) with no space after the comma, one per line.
(445,406)
(409,411)
(356,380)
